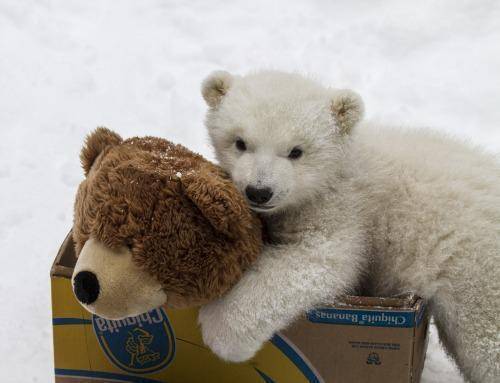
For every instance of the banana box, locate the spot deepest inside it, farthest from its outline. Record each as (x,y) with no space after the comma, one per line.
(360,340)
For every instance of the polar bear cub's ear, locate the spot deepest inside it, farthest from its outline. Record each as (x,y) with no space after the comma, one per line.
(95,143)
(347,108)
(215,87)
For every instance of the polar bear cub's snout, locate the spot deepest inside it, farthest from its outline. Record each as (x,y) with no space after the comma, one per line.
(108,283)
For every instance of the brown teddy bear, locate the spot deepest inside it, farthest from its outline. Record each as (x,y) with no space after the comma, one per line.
(155,224)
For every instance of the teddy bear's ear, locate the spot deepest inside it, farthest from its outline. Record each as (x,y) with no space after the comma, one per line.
(218,200)
(347,108)
(95,143)
(215,87)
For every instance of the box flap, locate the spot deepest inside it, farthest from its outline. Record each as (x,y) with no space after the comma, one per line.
(66,258)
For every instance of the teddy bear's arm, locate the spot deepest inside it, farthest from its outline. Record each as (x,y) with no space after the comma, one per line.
(285,282)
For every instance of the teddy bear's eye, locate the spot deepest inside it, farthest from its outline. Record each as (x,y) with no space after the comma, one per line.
(295,153)
(129,245)
(240,145)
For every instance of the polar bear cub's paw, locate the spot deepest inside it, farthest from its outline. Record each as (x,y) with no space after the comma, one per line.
(225,335)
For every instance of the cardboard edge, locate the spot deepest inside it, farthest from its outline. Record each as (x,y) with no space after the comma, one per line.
(61,272)
(418,351)
(405,302)
(58,270)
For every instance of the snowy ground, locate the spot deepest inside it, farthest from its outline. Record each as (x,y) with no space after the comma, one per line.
(67,66)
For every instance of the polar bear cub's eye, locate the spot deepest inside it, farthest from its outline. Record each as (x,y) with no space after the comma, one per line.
(295,153)
(240,145)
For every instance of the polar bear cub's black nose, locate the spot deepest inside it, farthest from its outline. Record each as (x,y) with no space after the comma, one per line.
(86,287)
(258,195)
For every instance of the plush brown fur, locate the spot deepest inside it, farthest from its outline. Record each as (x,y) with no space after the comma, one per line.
(182,218)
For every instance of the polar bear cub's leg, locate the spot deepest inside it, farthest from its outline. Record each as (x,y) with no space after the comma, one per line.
(467,315)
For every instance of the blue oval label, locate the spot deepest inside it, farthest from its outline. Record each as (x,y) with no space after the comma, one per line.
(141,344)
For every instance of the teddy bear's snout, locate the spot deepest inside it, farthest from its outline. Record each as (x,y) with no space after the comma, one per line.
(86,287)
(108,283)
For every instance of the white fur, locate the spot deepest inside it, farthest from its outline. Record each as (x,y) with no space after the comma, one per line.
(396,210)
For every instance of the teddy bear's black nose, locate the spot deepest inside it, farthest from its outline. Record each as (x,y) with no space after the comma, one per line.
(86,287)
(258,195)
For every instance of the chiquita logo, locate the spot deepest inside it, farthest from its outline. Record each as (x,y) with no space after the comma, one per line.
(141,344)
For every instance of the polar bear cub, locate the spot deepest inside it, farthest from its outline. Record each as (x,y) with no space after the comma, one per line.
(348,203)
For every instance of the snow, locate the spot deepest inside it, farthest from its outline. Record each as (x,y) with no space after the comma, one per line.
(68,66)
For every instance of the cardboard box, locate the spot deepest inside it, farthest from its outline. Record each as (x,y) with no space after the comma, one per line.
(359,340)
